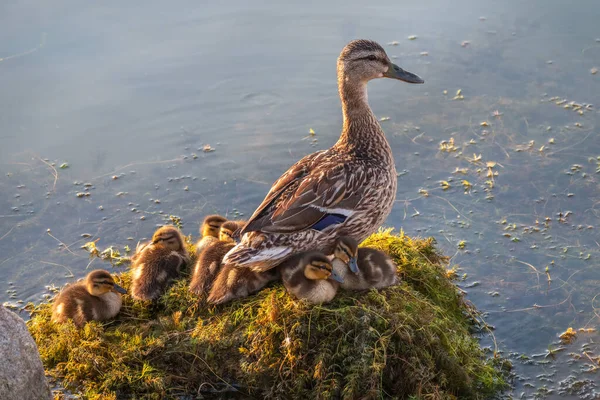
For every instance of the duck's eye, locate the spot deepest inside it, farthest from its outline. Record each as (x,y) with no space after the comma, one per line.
(371,57)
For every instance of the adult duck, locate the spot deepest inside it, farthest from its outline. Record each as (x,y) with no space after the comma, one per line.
(347,190)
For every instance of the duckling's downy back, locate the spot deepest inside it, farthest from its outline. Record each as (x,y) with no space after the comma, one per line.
(158,264)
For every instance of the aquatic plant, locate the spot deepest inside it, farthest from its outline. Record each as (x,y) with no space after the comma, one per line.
(413,340)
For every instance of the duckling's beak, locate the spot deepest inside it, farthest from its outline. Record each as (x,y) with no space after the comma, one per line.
(395,72)
(336,277)
(119,289)
(353,265)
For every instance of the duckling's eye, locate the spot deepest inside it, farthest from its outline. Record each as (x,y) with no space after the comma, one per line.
(371,57)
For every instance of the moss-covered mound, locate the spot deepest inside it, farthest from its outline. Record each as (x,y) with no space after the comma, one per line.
(410,341)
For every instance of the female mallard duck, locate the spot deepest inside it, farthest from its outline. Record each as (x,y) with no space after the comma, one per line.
(209,230)
(347,190)
(158,263)
(97,298)
(209,261)
(310,276)
(362,268)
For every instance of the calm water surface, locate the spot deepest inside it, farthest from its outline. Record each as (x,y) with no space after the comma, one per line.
(137,89)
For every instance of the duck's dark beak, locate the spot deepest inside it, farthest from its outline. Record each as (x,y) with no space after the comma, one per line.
(395,72)
(353,265)
(119,289)
(336,277)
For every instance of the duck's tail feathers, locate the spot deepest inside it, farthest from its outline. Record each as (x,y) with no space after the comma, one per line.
(259,260)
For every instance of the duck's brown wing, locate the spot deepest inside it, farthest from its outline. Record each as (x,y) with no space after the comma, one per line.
(316,192)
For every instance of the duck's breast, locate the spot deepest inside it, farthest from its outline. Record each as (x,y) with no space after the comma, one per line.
(111,302)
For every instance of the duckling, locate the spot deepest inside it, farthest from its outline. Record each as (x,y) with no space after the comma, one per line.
(209,261)
(209,230)
(233,283)
(97,297)
(310,276)
(370,268)
(158,263)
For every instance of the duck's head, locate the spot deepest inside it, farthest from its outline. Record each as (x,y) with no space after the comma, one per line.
(211,225)
(317,266)
(362,60)
(99,282)
(168,236)
(346,249)
(228,231)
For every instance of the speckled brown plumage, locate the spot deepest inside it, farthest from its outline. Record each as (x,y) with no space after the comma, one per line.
(353,184)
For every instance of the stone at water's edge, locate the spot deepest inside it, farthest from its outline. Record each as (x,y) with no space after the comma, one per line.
(21,371)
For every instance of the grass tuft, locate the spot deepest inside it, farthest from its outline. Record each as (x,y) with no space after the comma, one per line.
(410,341)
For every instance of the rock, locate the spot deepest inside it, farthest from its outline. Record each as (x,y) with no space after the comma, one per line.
(21,371)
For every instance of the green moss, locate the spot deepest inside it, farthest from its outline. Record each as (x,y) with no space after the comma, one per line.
(410,341)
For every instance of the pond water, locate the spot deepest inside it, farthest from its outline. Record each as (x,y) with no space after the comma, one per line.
(503,174)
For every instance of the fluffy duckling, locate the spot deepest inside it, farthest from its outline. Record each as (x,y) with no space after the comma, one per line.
(209,261)
(363,268)
(234,283)
(310,276)
(97,297)
(158,263)
(209,230)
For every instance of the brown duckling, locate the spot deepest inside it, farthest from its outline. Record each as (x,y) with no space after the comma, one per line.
(310,276)
(209,230)
(97,297)
(233,283)
(158,263)
(362,268)
(209,261)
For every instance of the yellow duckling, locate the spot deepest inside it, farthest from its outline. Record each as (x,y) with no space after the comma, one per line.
(97,297)
(362,268)
(310,276)
(158,263)
(209,230)
(209,261)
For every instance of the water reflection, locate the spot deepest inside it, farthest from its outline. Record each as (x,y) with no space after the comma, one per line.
(137,91)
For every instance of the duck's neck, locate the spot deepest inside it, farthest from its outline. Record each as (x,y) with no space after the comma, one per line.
(361,132)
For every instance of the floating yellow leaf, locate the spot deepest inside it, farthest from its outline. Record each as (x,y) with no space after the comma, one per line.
(412,37)
(490,164)
(484,123)
(476,158)
(466,184)
(424,192)
(445,185)
(448,145)
(311,131)
(568,336)
(460,171)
